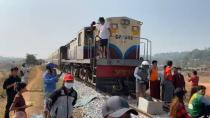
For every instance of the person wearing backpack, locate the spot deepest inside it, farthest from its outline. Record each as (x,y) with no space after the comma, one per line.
(60,103)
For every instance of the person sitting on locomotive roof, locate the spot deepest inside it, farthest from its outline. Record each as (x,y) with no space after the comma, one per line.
(104,33)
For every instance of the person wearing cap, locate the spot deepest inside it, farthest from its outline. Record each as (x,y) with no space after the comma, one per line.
(50,78)
(9,85)
(61,102)
(177,107)
(19,104)
(117,107)
(141,74)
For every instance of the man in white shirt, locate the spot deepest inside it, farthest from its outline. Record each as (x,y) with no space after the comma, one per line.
(24,73)
(104,33)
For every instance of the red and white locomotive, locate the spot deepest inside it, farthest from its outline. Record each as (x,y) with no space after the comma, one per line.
(113,74)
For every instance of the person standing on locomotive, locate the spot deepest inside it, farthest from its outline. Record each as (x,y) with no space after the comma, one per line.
(141,74)
(104,33)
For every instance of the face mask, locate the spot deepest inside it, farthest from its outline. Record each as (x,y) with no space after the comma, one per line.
(68,85)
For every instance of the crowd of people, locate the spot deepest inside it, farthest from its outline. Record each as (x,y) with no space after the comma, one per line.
(169,86)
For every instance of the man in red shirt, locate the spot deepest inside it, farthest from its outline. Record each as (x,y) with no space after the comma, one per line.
(168,86)
(194,79)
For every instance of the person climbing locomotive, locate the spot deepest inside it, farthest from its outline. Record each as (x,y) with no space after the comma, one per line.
(142,78)
(104,34)
(61,102)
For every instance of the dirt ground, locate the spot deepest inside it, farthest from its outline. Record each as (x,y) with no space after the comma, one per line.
(36,98)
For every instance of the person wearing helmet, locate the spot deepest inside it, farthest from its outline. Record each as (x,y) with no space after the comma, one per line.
(50,78)
(141,74)
(61,102)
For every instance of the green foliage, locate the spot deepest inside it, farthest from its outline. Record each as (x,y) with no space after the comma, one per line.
(31,59)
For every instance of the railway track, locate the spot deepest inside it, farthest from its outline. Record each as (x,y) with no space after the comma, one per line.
(147,115)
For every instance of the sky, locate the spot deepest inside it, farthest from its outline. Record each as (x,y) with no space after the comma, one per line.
(41,26)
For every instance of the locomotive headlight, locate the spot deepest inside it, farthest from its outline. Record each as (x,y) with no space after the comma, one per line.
(114,28)
(135,30)
(125,22)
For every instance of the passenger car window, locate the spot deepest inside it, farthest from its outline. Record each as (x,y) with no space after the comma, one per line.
(79,39)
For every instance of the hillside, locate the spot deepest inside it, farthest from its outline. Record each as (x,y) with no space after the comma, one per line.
(7,62)
(195,58)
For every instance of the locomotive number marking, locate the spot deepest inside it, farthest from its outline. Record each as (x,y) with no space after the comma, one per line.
(121,72)
(126,37)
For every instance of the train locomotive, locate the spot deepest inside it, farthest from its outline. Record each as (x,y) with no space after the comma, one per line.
(113,74)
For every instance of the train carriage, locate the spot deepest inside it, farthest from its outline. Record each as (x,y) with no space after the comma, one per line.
(113,74)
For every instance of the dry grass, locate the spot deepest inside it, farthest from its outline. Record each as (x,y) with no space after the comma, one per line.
(3,76)
(35,83)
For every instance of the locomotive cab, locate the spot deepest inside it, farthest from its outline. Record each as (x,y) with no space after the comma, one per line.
(114,74)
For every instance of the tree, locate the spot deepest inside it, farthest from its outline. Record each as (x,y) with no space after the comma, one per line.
(31,59)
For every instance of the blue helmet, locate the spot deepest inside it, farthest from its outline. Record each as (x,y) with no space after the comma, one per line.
(50,65)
